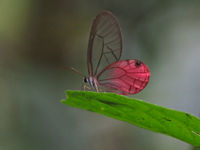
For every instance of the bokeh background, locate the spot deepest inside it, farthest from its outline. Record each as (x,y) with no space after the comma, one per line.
(39,38)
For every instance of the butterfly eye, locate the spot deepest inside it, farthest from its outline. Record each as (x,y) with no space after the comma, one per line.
(85,80)
(138,63)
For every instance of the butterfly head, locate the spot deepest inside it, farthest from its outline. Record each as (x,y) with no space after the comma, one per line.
(91,81)
(86,79)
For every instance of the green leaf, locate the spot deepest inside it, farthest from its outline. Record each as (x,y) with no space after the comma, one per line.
(174,123)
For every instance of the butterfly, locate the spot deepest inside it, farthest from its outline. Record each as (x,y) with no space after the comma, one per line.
(106,70)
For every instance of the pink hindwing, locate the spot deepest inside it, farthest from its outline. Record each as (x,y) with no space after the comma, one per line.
(125,77)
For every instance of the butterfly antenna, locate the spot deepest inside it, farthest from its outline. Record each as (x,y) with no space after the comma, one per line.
(76,71)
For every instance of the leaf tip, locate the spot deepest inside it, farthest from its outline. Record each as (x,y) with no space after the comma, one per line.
(62,100)
(67,93)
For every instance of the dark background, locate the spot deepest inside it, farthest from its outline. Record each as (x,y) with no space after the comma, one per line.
(39,38)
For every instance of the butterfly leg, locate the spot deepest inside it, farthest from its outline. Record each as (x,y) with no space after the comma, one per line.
(85,88)
(96,86)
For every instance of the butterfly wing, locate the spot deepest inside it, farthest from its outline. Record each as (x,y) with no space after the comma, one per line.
(125,77)
(105,42)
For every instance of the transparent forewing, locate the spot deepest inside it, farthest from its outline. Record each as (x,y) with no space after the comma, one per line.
(105,43)
(125,77)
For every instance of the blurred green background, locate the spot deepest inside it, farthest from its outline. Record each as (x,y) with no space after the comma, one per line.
(38,38)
